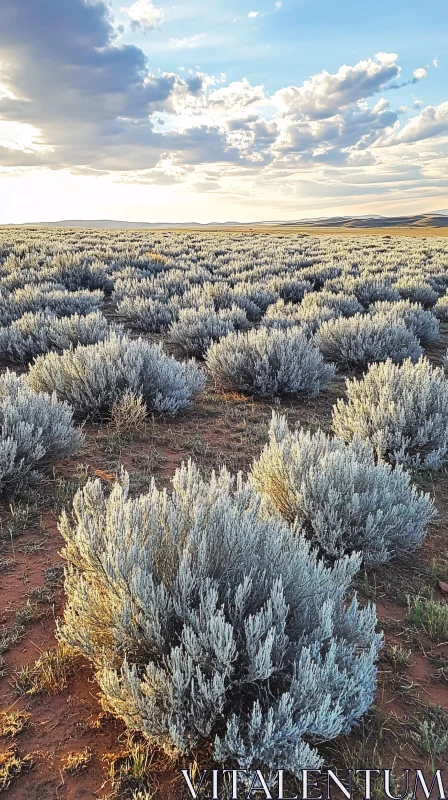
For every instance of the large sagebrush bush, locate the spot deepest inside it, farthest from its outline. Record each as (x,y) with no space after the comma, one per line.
(361,339)
(49,298)
(289,315)
(209,625)
(35,431)
(269,362)
(344,501)
(290,289)
(40,332)
(401,410)
(441,308)
(420,321)
(416,289)
(343,305)
(366,289)
(146,314)
(74,273)
(196,328)
(93,377)
(253,297)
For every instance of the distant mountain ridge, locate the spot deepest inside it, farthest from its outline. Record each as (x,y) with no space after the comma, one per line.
(437,219)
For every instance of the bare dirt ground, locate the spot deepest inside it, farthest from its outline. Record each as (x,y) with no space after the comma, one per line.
(69,749)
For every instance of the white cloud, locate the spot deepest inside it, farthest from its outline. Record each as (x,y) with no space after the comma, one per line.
(144,13)
(432,121)
(188,42)
(419,73)
(191,130)
(324,94)
(279,4)
(386,58)
(236,96)
(435,63)
(253,14)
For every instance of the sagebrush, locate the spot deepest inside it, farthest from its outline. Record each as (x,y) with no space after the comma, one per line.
(93,377)
(207,624)
(401,410)
(344,501)
(36,430)
(269,362)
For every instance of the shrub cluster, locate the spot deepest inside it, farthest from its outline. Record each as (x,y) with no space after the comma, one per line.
(342,499)
(362,339)
(421,322)
(401,410)
(196,329)
(269,362)
(441,308)
(93,377)
(207,624)
(287,315)
(38,333)
(146,314)
(35,431)
(49,298)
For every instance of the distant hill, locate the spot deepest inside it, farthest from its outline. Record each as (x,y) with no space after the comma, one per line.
(438,219)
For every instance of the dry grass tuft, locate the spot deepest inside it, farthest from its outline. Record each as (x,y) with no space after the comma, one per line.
(128,415)
(134,769)
(52,670)
(12,765)
(14,723)
(157,258)
(49,675)
(77,761)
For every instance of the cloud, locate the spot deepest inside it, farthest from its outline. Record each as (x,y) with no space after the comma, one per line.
(236,96)
(419,74)
(435,63)
(144,13)
(90,97)
(279,4)
(336,138)
(325,94)
(75,97)
(431,122)
(253,14)
(188,42)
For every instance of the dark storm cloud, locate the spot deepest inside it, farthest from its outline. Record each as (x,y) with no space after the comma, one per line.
(89,95)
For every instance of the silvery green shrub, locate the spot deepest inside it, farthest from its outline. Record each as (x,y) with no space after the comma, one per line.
(253,298)
(401,410)
(343,500)
(367,290)
(269,362)
(288,315)
(441,308)
(35,431)
(207,624)
(94,377)
(196,328)
(359,340)
(47,297)
(420,321)
(344,305)
(146,314)
(38,333)
(291,290)
(416,289)
(74,272)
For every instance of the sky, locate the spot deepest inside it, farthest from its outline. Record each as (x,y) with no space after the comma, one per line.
(241,110)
